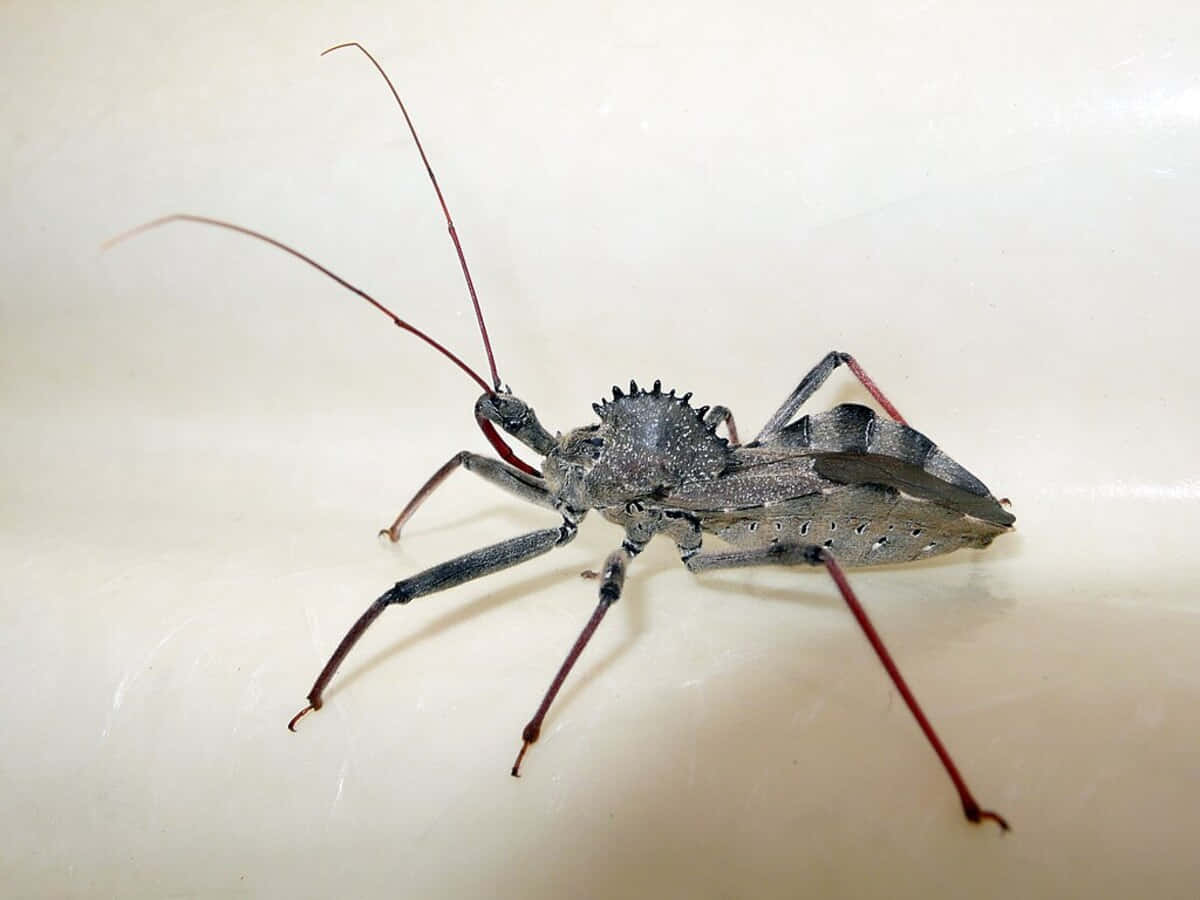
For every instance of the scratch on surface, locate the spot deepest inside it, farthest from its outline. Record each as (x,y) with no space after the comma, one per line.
(699,714)
(802,717)
(912,12)
(1122,490)
(311,616)
(133,673)
(341,787)
(252,695)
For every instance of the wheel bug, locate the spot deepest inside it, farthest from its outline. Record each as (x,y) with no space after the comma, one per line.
(844,487)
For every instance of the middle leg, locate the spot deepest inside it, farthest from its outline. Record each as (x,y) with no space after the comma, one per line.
(612,580)
(719,414)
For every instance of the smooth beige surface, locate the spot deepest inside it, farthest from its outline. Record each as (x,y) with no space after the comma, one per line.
(997,213)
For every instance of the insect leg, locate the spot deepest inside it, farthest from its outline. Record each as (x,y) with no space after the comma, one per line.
(813,380)
(511,479)
(612,579)
(449,574)
(790,555)
(719,414)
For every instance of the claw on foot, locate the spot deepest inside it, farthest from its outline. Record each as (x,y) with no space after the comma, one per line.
(520,756)
(392,533)
(977,815)
(588,573)
(300,715)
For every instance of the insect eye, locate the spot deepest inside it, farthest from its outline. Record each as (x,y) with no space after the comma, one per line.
(511,410)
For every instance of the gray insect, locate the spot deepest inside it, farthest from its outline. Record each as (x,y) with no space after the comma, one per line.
(845,487)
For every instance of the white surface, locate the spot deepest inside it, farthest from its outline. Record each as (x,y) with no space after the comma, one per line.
(997,213)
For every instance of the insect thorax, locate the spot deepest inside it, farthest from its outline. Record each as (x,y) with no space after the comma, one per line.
(648,443)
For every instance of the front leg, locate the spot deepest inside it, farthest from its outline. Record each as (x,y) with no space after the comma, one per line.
(511,479)
(812,555)
(813,380)
(441,577)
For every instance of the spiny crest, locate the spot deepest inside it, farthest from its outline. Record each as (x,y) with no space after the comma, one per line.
(623,404)
(654,441)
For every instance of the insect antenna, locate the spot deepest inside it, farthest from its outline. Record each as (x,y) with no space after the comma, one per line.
(462,259)
(399,322)
(486,427)
(489,431)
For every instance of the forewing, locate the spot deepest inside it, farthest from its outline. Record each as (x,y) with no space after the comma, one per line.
(756,476)
(847,445)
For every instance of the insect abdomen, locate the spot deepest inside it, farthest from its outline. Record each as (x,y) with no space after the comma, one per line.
(886,526)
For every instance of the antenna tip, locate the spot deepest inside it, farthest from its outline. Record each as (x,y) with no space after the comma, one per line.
(342,47)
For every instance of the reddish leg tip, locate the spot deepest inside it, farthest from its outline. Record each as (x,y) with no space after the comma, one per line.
(298,716)
(976,815)
(997,818)
(516,769)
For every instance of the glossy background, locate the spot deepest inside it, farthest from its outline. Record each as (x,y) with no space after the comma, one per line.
(995,211)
